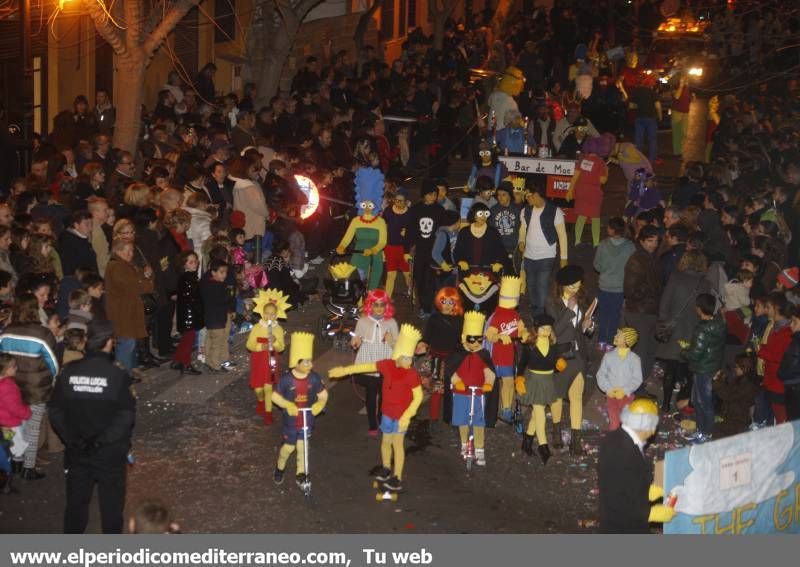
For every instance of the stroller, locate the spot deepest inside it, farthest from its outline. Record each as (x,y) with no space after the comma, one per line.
(341,298)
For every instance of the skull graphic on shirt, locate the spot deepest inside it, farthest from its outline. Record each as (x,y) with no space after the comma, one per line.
(426,227)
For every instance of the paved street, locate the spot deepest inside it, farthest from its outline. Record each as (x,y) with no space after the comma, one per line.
(200,447)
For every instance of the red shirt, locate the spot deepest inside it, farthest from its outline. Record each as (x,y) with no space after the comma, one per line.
(300,399)
(506,321)
(397,386)
(471,372)
(682,104)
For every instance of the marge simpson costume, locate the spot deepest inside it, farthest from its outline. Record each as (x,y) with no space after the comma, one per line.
(264,342)
(299,387)
(401,398)
(504,326)
(370,235)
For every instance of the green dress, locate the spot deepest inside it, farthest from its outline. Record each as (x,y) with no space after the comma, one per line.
(371,266)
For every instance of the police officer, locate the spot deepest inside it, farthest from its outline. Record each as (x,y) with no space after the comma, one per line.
(93,411)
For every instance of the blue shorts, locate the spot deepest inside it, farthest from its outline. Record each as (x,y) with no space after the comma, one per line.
(504,371)
(389,425)
(461,404)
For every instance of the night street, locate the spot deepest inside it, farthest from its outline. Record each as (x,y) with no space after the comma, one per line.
(200,448)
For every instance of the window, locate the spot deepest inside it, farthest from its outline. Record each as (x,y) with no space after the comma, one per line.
(401,20)
(225,18)
(387,20)
(38,89)
(412,13)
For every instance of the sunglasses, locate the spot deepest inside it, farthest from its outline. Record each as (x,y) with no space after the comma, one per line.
(474,339)
(448,301)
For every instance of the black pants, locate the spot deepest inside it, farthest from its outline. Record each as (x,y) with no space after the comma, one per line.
(792,402)
(675,372)
(372,387)
(107,469)
(425,282)
(164,327)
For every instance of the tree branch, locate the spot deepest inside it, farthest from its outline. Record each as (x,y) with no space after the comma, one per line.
(105,28)
(134,23)
(174,15)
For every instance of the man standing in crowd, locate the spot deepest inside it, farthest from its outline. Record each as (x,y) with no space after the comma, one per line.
(642,291)
(93,411)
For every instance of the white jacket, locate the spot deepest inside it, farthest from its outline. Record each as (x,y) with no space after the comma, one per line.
(249,199)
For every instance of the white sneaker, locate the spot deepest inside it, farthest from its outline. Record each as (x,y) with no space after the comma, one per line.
(480,457)
(463,450)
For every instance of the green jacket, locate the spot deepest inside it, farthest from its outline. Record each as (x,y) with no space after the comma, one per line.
(705,353)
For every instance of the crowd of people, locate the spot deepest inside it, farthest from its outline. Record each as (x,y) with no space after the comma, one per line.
(155,256)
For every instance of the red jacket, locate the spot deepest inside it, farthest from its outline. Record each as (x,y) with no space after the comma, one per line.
(12,411)
(771,353)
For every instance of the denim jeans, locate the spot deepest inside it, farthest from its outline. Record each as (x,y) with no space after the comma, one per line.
(703,402)
(609,312)
(646,127)
(538,274)
(125,353)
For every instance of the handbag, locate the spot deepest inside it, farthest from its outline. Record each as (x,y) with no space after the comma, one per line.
(665,329)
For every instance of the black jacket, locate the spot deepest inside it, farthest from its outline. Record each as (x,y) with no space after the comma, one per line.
(75,252)
(789,370)
(483,251)
(624,479)
(215,302)
(167,277)
(92,408)
(189,313)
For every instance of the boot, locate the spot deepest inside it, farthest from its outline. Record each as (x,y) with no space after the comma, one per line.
(575,447)
(143,355)
(557,442)
(544,453)
(435,406)
(527,444)
(668,385)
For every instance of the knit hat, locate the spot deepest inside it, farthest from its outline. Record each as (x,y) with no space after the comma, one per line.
(569,275)
(543,320)
(789,277)
(237,219)
(630,335)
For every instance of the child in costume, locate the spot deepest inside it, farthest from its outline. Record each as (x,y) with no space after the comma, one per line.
(505,325)
(397,219)
(369,232)
(572,322)
(401,395)
(299,387)
(265,341)
(486,163)
(441,339)
(586,186)
(374,336)
(536,385)
(620,374)
(472,367)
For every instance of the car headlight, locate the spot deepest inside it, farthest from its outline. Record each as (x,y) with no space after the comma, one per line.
(696,72)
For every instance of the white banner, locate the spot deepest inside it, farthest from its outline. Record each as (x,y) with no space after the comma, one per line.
(538,166)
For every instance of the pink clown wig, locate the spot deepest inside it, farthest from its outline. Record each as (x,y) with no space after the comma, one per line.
(380,296)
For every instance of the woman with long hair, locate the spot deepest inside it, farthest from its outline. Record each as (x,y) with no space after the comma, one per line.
(374,336)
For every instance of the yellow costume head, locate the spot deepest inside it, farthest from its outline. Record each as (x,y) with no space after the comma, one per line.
(512,82)
(477,283)
(509,292)
(341,271)
(271,297)
(473,331)
(641,415)
(301,348)
(406,343)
